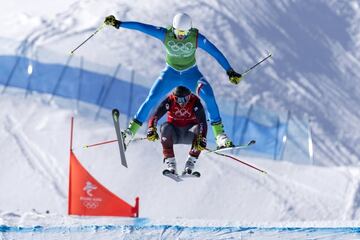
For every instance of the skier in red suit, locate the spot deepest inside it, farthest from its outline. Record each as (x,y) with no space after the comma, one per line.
(186,124)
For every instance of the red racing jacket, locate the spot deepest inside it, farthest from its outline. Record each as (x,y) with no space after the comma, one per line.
(191,113)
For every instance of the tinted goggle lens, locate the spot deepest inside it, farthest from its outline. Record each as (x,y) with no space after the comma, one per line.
(182,100)
(179,32)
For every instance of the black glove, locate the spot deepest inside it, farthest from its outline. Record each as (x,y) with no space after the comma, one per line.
(200,143)
(234,77)
(111,20)
(152,134)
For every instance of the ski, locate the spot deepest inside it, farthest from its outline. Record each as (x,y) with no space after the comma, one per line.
(194,174)
(173,176)
(178,178)
(120,140)
(252,142)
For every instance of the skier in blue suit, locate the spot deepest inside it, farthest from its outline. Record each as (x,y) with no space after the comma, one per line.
(181,41)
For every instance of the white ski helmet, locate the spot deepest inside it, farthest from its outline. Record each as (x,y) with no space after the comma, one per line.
(182,21)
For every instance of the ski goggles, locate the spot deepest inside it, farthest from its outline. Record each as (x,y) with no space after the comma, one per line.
(182,100)
(181,33)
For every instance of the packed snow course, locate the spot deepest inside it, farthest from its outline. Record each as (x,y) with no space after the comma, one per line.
(57,227)
(35,180)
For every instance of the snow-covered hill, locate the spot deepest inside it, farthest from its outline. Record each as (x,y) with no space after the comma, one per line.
(229,199)
(35,157)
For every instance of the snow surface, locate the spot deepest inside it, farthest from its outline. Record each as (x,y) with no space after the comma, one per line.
(313,72)
(34,178)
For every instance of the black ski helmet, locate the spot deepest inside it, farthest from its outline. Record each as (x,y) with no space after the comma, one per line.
(181,91)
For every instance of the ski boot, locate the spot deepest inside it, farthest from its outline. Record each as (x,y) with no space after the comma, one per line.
(222,140)
(189,167)
(129,133)
(171,166)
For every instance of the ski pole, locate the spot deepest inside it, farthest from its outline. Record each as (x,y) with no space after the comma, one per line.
(97,30)
(238,160)
(254,66)
(111,141)
(101,143)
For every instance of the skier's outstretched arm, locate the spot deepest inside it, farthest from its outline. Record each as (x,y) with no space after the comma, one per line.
(210,48)
(156,32)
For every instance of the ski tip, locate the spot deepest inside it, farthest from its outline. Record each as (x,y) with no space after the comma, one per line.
(252,142)
(124,163)
(115,111)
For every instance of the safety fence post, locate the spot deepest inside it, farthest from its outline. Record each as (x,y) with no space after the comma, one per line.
(81,76)
(11,74)
(102,97)
(234,121)
(60,78)
(285,136)
(130,96)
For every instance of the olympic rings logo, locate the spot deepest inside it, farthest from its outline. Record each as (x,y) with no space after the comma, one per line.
(179,46)
(181,112)
(90,204)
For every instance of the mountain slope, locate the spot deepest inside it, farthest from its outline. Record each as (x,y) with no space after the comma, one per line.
(36,136)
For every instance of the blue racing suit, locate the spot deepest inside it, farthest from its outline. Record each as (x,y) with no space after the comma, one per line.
(171,77)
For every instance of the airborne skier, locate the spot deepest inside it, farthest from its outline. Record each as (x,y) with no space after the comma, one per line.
(186,124)
(181,41)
